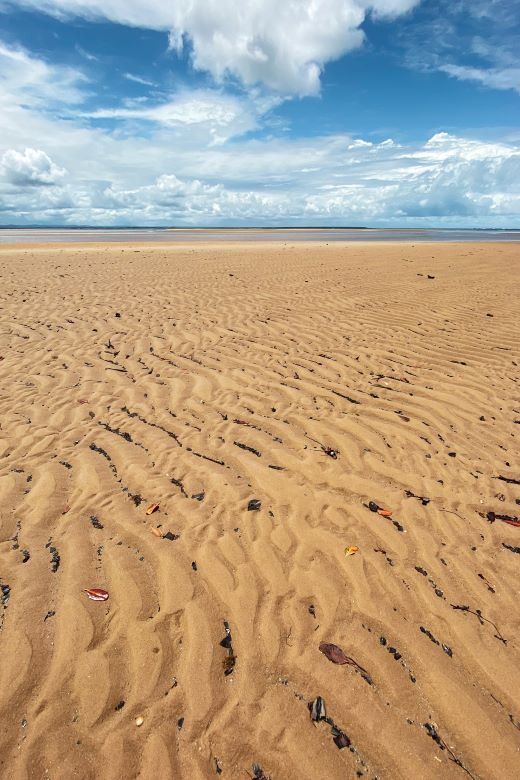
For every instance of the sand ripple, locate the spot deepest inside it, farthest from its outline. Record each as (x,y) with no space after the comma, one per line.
(201,378)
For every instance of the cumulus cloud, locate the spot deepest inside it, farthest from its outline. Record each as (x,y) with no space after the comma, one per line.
(448,180)
(282,45)
(30,168)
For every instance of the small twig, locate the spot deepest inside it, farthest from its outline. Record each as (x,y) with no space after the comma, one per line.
(453,513)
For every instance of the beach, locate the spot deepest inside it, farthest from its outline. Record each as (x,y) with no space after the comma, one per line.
(245,451)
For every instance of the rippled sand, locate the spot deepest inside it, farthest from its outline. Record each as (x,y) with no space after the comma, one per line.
(201,378)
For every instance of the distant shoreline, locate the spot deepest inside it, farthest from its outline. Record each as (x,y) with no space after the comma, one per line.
(176,236)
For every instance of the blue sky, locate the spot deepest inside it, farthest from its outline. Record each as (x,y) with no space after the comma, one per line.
(302,112)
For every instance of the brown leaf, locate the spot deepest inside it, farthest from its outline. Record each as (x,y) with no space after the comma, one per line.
(152,508)
(96,594)
(156,532)
(334,653)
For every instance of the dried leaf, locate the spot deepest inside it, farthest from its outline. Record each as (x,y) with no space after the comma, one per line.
(334,653)
(152,508)
(96,594)
(513,522)
(385,512)
(65,509)
(351,550)
(156,532)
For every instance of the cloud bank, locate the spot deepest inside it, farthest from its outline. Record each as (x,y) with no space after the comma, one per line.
(329,180)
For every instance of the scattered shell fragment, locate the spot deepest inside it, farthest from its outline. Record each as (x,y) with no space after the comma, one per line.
(96,594)
(152,508)
(156,532)
(139,721)
(351,549)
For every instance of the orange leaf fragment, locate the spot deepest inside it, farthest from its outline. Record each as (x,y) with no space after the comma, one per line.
(351,549)
(152,508)
(156,532)
(96,594)
(385,512)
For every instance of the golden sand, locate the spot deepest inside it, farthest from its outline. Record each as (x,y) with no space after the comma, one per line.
(201,377)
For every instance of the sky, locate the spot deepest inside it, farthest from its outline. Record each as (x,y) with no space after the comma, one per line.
(383,113)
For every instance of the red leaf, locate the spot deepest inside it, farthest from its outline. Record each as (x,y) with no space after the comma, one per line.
(512,522)
(96,594)
(334,653)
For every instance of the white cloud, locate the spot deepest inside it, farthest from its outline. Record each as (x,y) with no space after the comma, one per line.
(448,180)
(32,167)
(31,81)
(282,45)
(139,80)
(471,40)
(496,78)
(189,160)
(217,115)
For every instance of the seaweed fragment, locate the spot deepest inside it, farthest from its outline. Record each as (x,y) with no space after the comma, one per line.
(258,773)
(247,448)
(432,732)
(509,480)
(447,649)
(423,499)
(318,712)
(5,592)
(481,619)
(229,661)
(510,547)
(55,557)
(95,522)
